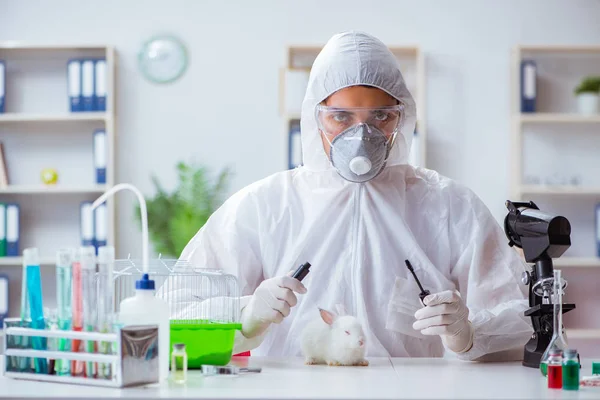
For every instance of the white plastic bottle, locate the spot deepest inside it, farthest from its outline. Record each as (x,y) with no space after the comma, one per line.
(145,309)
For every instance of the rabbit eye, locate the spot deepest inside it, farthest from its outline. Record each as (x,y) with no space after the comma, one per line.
(347,333)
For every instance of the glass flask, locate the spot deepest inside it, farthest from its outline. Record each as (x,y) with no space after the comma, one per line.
(558,341)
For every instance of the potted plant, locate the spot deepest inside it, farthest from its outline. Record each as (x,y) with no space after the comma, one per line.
(588,94)
(174,218)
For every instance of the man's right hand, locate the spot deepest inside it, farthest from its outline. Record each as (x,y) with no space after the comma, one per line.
(270,303)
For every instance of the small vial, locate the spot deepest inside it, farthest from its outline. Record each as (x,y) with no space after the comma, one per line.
(554,369)
(179,363)
(570,370)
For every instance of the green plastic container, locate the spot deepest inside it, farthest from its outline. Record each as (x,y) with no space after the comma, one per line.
(206,342)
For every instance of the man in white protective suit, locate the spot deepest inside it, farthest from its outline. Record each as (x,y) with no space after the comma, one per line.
(356,211)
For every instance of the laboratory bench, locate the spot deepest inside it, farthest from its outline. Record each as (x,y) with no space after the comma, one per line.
(289,378)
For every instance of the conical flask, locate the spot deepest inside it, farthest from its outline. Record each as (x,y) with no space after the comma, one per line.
(558,340)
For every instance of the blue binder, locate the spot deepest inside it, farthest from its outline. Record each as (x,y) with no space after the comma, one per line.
(100,231)
(74,85)
(87,84)
(2,85)
(100,85)
(294,145)
(528,86)
(86,218)
(100,155)
(12,230)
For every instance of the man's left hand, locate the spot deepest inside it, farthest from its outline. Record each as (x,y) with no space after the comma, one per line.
(445,314)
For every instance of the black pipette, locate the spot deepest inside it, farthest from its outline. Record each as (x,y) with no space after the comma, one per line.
(302,271)
(424,293)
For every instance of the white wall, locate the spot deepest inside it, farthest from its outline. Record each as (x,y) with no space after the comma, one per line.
(227,101)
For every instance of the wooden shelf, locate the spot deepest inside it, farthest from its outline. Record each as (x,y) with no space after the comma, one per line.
(559,49)
(563,118)
(58,189)
(17,261)
(559,190)
(20,46)
(577,262)
(66,117)
(586,333)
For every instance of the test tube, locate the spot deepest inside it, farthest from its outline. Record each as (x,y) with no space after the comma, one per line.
(88,293)
(106,259)
(23,363)
(77,305)
(64,260)
(31,260)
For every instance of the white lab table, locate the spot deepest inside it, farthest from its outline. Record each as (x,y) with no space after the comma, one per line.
(398,378)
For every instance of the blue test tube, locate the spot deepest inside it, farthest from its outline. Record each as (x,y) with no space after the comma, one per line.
(31,259)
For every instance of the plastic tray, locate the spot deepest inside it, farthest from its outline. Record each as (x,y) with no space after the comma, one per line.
(206,342)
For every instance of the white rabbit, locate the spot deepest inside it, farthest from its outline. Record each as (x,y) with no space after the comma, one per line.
(334,340)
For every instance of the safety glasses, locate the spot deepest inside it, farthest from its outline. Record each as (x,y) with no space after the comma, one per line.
(334,120)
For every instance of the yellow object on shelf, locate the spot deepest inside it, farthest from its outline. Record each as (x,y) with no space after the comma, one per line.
(49,176)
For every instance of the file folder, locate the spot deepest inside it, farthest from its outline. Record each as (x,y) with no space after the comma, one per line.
(100,231)
(74,85)
(528,86)
(100,155)
(598,230)
(87,84)
(100,85)
(12,230)
(86,218)
(2,229)
(2,85)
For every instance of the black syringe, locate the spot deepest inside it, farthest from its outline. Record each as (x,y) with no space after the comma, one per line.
(424,293)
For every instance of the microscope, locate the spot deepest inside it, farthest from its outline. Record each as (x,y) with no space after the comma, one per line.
(542,237)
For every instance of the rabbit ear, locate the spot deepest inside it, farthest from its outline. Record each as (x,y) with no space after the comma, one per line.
(341,310)
(327,316)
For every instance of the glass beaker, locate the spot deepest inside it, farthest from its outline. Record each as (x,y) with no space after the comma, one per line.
(558,341)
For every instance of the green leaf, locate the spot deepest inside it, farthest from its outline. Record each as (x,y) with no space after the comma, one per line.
(174,218)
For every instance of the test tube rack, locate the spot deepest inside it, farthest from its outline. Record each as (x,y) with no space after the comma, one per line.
(134,360)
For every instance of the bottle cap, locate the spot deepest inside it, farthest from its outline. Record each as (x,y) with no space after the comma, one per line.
(179,346)
(64,257)
(571,353)
(87,257)
(596,368)
(145,283)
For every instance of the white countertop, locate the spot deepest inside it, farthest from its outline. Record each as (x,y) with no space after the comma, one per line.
(397,378)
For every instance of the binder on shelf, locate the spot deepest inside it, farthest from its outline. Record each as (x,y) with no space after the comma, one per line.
(87,84)
(74,85)
(100,230)
(294,145)
(3,298)
(100,85)
(528,86)
(2,230)
(2,85)
(100,155)
(86,219)
(12,230)
(3,168)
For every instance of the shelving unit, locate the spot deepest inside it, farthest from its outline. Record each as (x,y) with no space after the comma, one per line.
(39,131)
(557,132)
(299,58)
(34,117)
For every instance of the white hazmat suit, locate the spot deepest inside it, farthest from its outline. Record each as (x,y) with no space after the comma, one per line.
(357,235)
